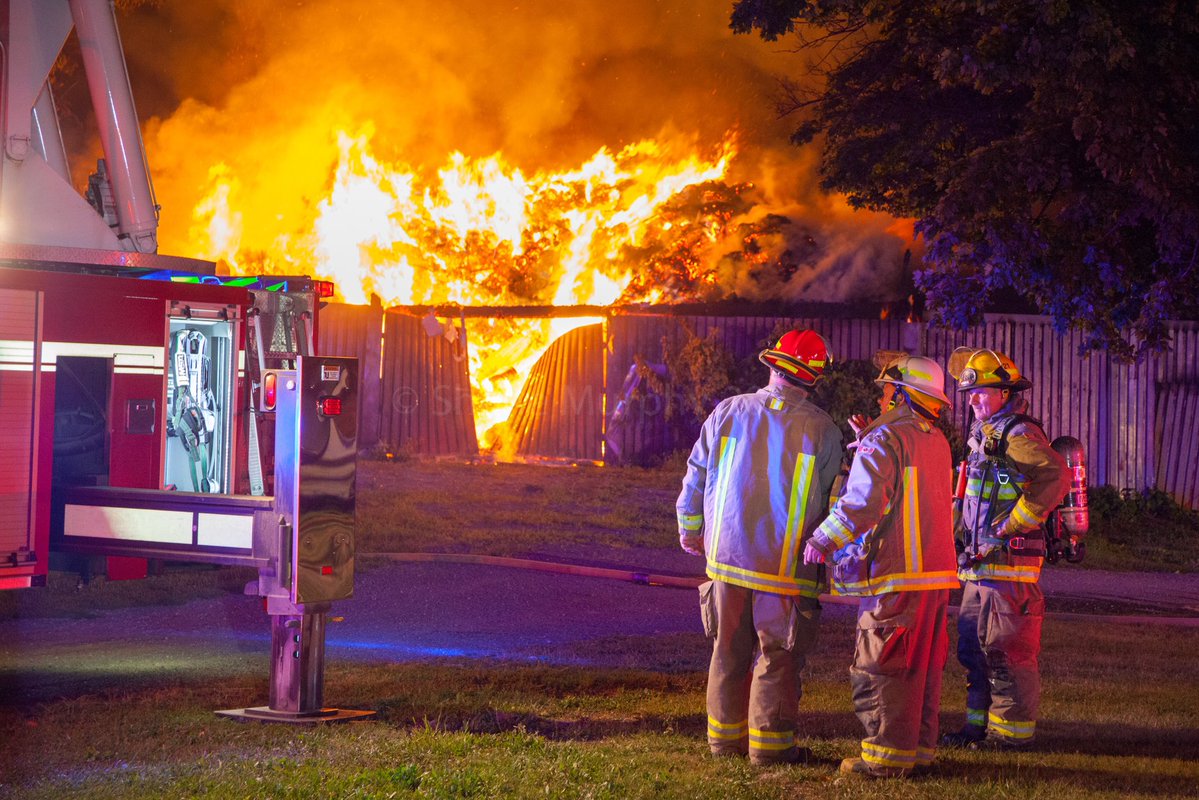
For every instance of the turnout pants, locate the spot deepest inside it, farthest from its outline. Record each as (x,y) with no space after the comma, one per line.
(999,644)
(901,651)
(761,643)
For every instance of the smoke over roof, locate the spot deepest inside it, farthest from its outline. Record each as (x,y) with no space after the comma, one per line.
(258,90)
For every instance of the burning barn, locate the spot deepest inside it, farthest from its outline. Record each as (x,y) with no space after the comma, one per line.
(613,156)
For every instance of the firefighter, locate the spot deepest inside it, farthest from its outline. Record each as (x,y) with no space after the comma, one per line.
(1014,479)
(882,360)
(757,482)
(890,538)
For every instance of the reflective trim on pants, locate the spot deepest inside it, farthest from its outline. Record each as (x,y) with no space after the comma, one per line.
(902,647)
(999,644)
(760,647)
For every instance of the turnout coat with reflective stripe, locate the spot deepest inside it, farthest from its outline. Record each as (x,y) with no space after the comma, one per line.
(892,528)
(757,482)
(1029,481)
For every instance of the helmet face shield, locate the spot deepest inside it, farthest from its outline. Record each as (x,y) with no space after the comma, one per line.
(890,374)
(986,368)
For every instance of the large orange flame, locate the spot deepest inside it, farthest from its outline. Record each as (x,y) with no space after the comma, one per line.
(481,232)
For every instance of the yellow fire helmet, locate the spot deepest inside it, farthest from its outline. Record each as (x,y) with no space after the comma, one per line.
(978,369)
(800,356)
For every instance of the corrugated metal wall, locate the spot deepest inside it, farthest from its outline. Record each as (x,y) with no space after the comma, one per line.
(1139,422)
(426,403)
(560,411)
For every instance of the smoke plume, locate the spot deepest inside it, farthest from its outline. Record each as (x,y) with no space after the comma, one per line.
(251,96)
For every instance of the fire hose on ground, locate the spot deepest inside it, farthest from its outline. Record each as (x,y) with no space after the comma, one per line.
(644,578)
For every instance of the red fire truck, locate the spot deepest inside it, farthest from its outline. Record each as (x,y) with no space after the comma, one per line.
(155,410)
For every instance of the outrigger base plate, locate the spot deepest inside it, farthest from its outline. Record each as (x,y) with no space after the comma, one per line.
(323,715)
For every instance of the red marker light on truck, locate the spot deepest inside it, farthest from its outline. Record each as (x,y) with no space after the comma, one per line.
(270,390)
(323,288)
(330,406)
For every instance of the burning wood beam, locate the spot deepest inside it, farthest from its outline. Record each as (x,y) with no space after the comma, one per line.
(734,309)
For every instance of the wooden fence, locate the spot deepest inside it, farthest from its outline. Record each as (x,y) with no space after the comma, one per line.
(1139,422)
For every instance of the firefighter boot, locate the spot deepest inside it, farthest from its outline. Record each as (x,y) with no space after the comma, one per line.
(857,766)
(997,742)
(799,755)
(967,736)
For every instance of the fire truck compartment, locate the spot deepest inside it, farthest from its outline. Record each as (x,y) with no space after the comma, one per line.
(199,404)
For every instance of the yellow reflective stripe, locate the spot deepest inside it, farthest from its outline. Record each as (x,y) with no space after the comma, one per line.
(761,581)
(785,365)
(836,531)
(1000,572)
(1012,729)
(778,736)
(976,716)
(771,740)
(880,749)
(728,727)
(730,730)
(925,755)
(913,370)
(728,446)
(691,522)
(1006,490)
(903,582)
(774,404)
(887,756)
(913,556)
(797,512)
(1024,516)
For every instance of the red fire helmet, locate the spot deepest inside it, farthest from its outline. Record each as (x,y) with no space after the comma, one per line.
(800,356)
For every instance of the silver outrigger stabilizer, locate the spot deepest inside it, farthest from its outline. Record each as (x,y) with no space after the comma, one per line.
(309,532)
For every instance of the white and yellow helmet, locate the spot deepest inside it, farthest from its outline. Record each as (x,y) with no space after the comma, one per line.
(918,374)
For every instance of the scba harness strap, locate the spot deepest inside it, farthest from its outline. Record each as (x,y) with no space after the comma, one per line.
(994,470)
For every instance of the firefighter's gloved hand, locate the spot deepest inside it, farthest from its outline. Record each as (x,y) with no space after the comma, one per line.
(1007,530)
(812,554)
(691,542)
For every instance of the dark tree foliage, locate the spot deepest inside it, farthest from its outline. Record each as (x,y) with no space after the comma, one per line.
(1045,147)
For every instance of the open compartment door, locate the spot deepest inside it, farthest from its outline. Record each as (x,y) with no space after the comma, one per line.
(201,396)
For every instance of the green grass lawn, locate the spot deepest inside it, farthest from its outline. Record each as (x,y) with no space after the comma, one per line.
(1111,727)
(1119,710)
(514,509)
